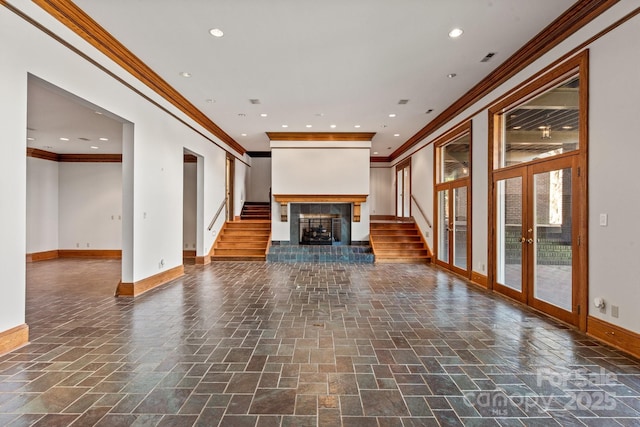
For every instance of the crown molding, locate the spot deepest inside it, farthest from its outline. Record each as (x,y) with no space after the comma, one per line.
(83,25)
(576,17)
(74,158)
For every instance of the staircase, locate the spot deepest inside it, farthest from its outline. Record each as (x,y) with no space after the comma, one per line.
(256,210)
(245,240)
(398,240)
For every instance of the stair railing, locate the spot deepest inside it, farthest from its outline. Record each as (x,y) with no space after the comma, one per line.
(421,211)
(215,217)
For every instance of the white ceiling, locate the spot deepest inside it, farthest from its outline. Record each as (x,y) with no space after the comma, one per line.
(322,63)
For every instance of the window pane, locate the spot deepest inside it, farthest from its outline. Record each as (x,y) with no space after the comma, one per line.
(454,158)
(545,126)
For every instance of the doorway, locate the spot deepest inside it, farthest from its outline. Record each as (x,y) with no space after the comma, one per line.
(537,242)
(538,204)
(229,179)
(403,189)
(453,226)
(453,200)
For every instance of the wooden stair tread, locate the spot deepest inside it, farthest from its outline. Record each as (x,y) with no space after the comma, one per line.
(398,241)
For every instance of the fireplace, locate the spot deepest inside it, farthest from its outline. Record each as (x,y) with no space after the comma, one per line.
(320,229)
(322,224)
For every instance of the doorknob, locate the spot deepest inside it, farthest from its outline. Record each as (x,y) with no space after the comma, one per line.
(529,241)
(523,239)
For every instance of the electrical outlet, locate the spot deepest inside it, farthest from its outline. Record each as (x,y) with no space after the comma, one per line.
(615,311)
(426,234)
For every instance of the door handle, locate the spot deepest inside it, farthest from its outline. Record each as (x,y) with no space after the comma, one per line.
(529,241)
(523,239)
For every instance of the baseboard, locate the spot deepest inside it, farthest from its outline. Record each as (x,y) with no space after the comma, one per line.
(75,253)
(90,253)
(141,286)
(14,338)
(42,256)
(203,260)
(616,336)
(479,279)
(188,254)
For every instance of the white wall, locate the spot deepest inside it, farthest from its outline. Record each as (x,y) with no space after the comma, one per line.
(90,205)
(259,179)
(479,193)
(152,168)
(613,190)
(309,167)
(382,191)
(190,195)
(614,90)
(42,205)
(239,187)
(422,190)
(13,172)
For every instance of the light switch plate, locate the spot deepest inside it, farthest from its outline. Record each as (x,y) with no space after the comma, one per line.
(603,219)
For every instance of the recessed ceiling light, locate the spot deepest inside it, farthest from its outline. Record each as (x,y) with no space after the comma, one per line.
(396,134)
(517,127)
(216,32)
(455,33)
(263,115)
(243,134)
(285,126)
(332,126)
(30,139)
(452,75)
(392,115)
(103,139)
(210,101)
(93,147)
(98,113)
(567,127)
(375,152)
(357,126)
(64,139)
(319,114)
(308,126)
(185,74)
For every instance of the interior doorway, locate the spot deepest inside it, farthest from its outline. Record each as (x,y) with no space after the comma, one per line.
(229,181)
(403,189)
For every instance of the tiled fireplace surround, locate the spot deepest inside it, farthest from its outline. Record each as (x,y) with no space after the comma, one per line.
(345,251)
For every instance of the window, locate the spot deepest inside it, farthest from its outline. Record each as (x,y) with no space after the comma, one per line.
(544,126)
(454,159)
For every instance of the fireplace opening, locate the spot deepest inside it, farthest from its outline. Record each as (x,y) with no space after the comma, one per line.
(320,229)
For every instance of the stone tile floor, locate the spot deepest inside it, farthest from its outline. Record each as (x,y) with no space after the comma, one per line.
(258,344)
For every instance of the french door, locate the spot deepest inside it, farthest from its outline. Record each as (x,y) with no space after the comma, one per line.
(537,236)
(452,226)
(403,189)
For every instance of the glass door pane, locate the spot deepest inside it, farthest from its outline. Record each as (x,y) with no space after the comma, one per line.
(509,209)
(552,239)
(443,225)
(459,234)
